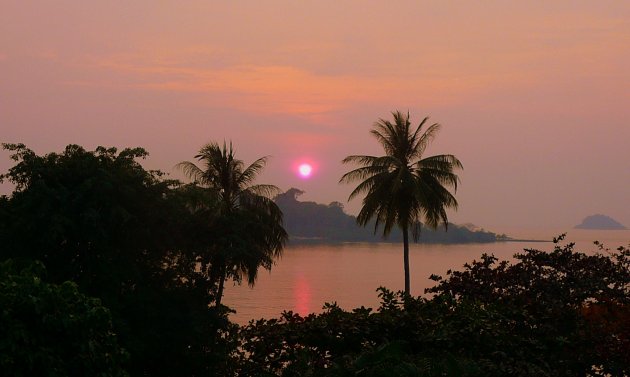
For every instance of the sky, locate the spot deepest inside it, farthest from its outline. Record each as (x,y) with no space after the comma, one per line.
(533,97)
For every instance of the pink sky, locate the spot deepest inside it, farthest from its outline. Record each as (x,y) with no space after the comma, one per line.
(534,97)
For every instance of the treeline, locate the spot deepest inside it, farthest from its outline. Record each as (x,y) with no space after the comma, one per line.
(310,222)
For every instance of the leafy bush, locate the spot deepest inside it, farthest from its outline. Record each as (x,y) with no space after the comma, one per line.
(53,330)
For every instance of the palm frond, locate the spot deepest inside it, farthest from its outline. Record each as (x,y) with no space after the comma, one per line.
(192,171)
(247,176)
(384,138)
(368,184)
(268,191)
(416,133)
(420,143)
(435,200)
(360,160)
(378,201)
(442,161)
(440,167)
(363,173)
(445,179)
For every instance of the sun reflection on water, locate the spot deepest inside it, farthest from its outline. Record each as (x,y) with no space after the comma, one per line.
(302,295)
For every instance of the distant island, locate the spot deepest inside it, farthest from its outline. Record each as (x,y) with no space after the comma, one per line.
(600,222)
(310,222)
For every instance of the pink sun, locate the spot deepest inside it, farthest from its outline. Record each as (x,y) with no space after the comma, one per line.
(305,170)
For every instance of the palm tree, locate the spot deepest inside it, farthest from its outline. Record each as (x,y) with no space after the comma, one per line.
(248,230)
(403,187)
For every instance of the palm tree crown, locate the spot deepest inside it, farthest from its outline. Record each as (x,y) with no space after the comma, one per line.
(247,222)
(403,187)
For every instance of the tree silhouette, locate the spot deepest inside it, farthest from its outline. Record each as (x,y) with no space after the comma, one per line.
(403,187)
(247,224)
(124,235)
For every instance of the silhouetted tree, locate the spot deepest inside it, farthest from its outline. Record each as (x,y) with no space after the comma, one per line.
(248,231)
(93,217)
(126,236)
(403,187)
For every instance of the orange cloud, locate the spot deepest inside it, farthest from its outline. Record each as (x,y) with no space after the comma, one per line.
(283,88)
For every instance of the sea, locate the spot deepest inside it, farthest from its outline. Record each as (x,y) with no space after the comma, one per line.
(308,276)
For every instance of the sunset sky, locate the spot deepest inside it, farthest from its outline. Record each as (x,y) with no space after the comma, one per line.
(533,97)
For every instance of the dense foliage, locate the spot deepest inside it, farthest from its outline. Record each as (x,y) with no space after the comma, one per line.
(127,237)
(53,330)
(91,217)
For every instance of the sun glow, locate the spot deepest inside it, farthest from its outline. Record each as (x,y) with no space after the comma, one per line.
(305,170)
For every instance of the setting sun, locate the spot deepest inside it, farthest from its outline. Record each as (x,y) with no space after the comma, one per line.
(305,170)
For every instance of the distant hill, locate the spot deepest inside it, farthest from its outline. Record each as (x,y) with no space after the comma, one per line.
(600,222)
(310,222)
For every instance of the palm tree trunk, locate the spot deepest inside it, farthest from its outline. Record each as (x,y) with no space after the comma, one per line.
(405,231)
(221,284)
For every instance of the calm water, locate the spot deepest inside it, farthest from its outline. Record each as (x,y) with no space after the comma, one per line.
(308,276)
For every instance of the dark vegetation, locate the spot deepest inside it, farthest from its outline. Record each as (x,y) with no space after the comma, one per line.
(37,316)
(310,222)
(107,270)
(559,313)
(123,235)
(246,222)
